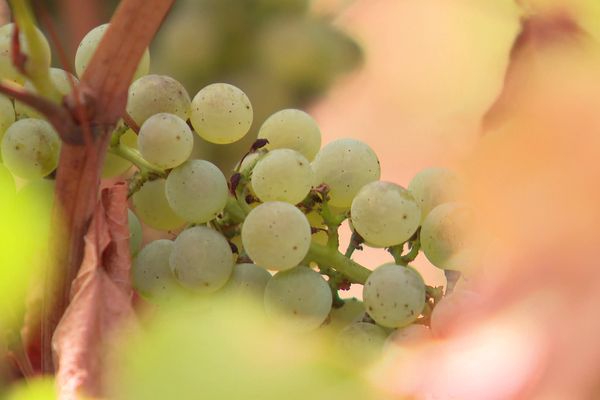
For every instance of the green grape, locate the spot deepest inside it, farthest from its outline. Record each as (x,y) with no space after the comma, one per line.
(152,208)
(276,235)
(408,335)
(353,310)
(394,295)
(345,165)
(292,129)
(385,214)
(444,236)
(61,80)
(221,113)
(150,272)
(201,259)
(7,68)
(7,114)
(197,191)
(115,165)
(282,175)
(249,161)
(362,341)
(300,296)
(30,148)
(165,140)
(432,187)
(153,94)
(135,233)
(88,46)
(247,280)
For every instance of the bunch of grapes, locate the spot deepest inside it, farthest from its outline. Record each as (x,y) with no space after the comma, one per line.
(268,230)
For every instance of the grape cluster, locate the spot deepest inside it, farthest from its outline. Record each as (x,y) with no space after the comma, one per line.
(268,230)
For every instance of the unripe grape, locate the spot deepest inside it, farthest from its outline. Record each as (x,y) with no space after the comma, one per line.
(153,94)
(151,275)
(345,165)
(221,113)
(88,46)
(135,233)
(300,296)
(282,175)
(247,280)
(30,148)
(7,68)
(363,341)
(445,237)
(165,140)
(394,295)
(197,191)
(292,129)
(276,235)
(432,187)
(385,214)
(201,259)
(153,209)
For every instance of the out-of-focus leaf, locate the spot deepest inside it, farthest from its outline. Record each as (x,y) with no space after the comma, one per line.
(36,389)
(101,300)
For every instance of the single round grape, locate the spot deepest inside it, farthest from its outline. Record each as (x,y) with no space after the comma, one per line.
(197,191)
(363,341)
(292,129)
(221,113)
(282,175)
(7,114)
(7,68)
(135,233)
(152,208)
(61,80)
(345,165)
(432,187)
(88,46)
(150,272)
(444,236)
(248,280)
(276,235)
(165,140)
(385,214)
(115,165)
(353,310)
(30,148)
(394,295)
(201,259)
(300,296)
(153,94)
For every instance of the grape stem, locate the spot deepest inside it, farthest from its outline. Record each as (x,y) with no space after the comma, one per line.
(235,212)
(327,256)
(136,158)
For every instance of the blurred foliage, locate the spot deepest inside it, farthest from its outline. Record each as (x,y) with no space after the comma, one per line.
(35,389)
(276,51)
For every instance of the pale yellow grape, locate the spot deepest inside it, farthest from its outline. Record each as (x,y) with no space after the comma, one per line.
(30,148)
(362,341)
(201,259)
(7,114)
(150,272)
(88,46)
(7,69)
(432,187)
(115,165)
(248,162)
(292,129)
(221,113)
(152,208)
(353,310)
(276,235)
(282,175)
(62,81)
(300,297)
(394,295)
(135,233)
(165,140)
(445,237)
(153,94)
(247,280)
(197,191)
(345,165)
(385,214)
